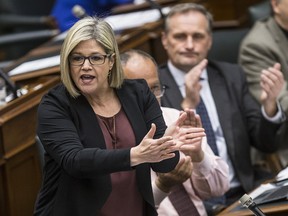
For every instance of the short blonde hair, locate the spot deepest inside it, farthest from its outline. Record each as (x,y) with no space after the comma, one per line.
(86,29)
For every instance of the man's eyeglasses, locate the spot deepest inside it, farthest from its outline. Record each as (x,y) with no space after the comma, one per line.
(78,60)
(158,90)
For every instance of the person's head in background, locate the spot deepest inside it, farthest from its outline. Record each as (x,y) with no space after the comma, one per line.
(66,15)
(138,64)
(280,12)
(187,35)
(90,48)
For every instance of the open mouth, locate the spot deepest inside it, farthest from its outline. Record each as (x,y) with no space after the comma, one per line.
(86,78)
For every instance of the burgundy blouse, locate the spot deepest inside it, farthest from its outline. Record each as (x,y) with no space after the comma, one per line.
(125,198)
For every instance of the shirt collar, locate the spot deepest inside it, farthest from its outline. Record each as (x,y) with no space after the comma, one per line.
(179,74)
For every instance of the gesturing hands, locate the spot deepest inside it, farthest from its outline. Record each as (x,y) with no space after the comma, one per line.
(184,134)
(187,132)
(188,138)
(153,150)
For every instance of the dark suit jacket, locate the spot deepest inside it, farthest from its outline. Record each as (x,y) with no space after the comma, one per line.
(239,115)
(76,173)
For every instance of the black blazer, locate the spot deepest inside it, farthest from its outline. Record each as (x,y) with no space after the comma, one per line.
(239,114)
(76,173)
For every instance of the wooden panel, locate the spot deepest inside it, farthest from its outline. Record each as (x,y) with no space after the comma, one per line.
(24,177)
(3,191)
(1,145)
(148,39)
(132,39)
(157,49)
(20,174)
(19,137)
(278,208)
(18,119)
(229,12)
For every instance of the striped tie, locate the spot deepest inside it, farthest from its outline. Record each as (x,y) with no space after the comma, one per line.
(201,110)
(182,202)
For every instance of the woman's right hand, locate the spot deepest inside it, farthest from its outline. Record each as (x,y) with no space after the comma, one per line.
(153,150)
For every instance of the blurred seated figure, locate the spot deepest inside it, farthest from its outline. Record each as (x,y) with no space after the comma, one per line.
(199,174)
(264,45)
(235,120)
(63,10)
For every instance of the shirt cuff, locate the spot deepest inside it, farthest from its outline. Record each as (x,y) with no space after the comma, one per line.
(278,118)
(204,167)
(158,194)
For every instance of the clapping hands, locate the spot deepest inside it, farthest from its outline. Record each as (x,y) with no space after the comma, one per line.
(191,145)
(187,132)
(184,134)
(272,82)
(193,86)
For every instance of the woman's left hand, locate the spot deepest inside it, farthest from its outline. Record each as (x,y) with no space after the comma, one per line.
(153,150)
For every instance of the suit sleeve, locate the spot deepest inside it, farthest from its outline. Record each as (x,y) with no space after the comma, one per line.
(260,131)
(256,55)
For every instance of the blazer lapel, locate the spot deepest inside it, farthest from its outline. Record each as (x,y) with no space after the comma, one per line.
(91,128)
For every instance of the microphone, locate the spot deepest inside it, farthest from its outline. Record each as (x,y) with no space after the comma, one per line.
(155,5)
(79,12)
(9,83)
(248,202)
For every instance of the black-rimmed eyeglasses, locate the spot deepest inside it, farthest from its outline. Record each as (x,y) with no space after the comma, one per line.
(78,60)
(158,90)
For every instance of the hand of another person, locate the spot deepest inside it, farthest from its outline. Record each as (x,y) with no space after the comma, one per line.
(183,171)
(185,130)
(193,86)
(192,119)
(153,150)
(173,129)
(272,82)
(193,139)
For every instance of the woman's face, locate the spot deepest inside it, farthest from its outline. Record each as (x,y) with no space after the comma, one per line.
(90,76)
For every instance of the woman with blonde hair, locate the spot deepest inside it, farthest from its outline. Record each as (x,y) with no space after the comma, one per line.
(102,134)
